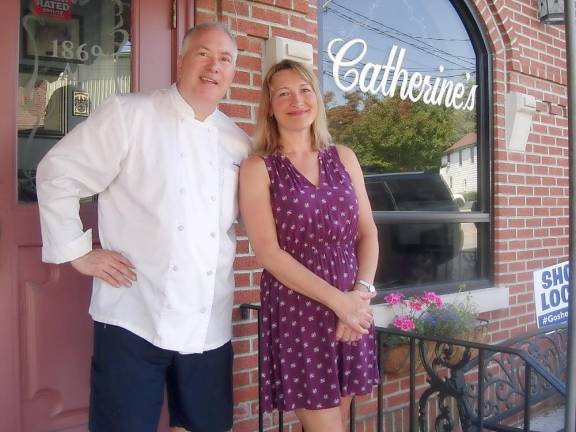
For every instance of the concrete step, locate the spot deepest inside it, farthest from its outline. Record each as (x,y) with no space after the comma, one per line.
(549,421)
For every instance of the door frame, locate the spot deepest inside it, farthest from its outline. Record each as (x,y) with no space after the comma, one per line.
(11,210)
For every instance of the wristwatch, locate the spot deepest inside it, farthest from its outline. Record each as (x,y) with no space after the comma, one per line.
(371,288)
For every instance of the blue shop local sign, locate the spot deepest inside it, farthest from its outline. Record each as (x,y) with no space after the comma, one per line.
(551,288)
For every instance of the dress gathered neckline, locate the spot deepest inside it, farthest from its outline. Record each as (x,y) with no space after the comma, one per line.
(286,158)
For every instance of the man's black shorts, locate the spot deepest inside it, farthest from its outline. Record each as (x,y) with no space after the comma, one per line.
(129,376)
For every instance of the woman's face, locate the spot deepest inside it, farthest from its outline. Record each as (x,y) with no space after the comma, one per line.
(293,101)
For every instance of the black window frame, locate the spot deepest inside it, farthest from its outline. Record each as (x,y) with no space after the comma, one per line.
(482,215)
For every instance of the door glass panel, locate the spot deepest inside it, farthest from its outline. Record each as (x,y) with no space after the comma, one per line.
(73,54)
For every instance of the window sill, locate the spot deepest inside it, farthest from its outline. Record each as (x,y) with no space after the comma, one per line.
(487,299)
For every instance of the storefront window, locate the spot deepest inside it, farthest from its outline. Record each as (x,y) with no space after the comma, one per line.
(73,54)
(403,87)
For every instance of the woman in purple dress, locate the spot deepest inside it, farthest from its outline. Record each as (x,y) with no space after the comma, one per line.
(308,218)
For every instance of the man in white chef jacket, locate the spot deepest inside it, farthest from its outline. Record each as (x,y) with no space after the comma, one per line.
(164,165)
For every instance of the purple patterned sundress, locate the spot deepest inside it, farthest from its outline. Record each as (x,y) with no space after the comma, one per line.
(303,365)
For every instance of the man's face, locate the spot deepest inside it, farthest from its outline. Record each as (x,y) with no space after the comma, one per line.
(206,70)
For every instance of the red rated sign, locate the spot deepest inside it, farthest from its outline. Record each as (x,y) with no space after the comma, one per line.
(60,9)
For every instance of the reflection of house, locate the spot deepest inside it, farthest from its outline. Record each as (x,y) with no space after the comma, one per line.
(459,167)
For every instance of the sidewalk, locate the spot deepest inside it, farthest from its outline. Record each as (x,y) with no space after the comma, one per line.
(551,421)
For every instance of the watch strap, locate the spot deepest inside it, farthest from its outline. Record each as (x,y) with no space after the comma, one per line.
(368,285)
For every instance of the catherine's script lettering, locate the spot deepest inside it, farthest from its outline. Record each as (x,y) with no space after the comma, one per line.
(385,78)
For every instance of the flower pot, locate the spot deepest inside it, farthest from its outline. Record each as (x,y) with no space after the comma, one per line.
(475,334)
(395,360)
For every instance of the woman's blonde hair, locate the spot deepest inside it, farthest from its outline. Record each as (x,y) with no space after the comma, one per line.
(267,136)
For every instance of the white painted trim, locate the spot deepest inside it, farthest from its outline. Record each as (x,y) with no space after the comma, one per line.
(487,299)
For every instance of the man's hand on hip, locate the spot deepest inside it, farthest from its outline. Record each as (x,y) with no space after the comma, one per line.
(111,267)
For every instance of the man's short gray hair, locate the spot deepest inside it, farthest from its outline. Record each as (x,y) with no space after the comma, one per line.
(208,26)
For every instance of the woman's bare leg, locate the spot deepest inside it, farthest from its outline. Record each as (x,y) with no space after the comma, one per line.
(345,410)
(321,420)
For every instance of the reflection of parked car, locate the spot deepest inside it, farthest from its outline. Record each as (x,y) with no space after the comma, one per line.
(412,253)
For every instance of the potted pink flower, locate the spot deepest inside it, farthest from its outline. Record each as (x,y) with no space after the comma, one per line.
(427,315)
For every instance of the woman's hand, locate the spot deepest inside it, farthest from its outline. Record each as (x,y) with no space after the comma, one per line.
(345,334)
(353,309)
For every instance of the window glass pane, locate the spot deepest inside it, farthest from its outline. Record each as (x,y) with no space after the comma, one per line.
(399,81)
(400,88)
(426,253)
(73,54)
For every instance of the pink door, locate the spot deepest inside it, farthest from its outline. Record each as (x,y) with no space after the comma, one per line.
(59,60)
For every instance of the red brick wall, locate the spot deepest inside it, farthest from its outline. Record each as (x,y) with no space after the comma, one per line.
(530,188)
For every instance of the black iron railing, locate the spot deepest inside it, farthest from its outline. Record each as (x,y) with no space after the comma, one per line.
(516,383)
(475,386)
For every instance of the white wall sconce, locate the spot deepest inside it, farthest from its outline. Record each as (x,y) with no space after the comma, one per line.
(519,110)
(278,48)
(551,11)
